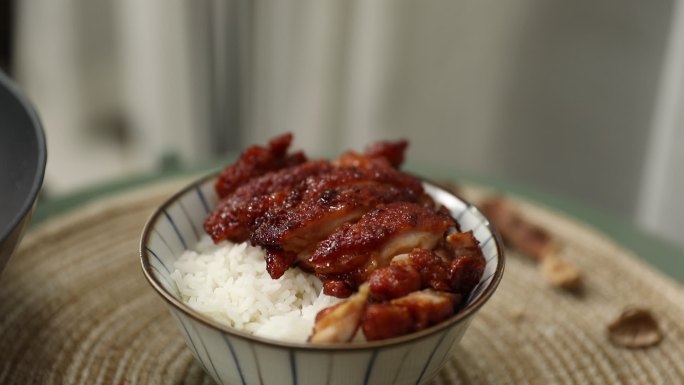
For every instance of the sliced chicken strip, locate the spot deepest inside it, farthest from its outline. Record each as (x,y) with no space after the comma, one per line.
(236,216)
(413,312)
(354,251)
(340,322)
(379,235)
(322,210)
(257,161)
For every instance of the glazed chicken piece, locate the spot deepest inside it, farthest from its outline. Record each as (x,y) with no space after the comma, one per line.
(316,215)
(429,307)
(392,151)
(379,235)
(413,312)
(289,211)
(291,235)
(468,264)
(385,320)
(237,214)
(353,251)
(365,169)
(394,281)
(257,161)
(423,269)
(387,153)
(346,221)
(432,269)
(325,202)
(463,244)
(339,323)
(398,306)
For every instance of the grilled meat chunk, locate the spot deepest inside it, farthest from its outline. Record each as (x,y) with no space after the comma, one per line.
(385,320)
(288,207)
(339,323)
(468,265)
(393,152)
(383,153)
(424,269)
(353,251)
(393,281)
(413,312)
(288,212)
(429,307)
(257,161)
(322,209)
(235,217)
(458,273)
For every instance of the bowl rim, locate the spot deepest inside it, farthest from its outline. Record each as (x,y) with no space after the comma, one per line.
(28,203)
(177,304)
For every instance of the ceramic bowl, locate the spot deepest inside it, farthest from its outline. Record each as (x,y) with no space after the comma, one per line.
(22,165)
(230,356)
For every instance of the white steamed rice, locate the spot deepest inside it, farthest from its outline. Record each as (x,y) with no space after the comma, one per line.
(229,283)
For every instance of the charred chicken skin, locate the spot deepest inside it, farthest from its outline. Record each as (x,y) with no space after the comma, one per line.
(411,313)
(367,230)
(354,250)
(256,161)
(339,323)
(238,213)
(290,210)
(324,203)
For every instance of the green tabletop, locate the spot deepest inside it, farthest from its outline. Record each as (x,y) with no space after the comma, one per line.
(659,253)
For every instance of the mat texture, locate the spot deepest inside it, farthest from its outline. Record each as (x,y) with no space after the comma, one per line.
(76,309)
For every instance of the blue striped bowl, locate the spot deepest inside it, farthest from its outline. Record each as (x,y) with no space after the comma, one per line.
(230,356)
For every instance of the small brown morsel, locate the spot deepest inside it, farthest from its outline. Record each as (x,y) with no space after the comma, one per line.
(558,272)
(517,231)
(533,241)
(635,328)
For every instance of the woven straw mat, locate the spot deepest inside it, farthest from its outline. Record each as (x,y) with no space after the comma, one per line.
(76,309)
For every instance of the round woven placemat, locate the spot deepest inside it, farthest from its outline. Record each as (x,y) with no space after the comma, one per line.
(75,309)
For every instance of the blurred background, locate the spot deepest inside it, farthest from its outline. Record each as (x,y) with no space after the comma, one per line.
(582,99)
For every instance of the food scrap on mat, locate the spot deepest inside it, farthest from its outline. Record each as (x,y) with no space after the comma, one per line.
(635,328)
(532,241)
